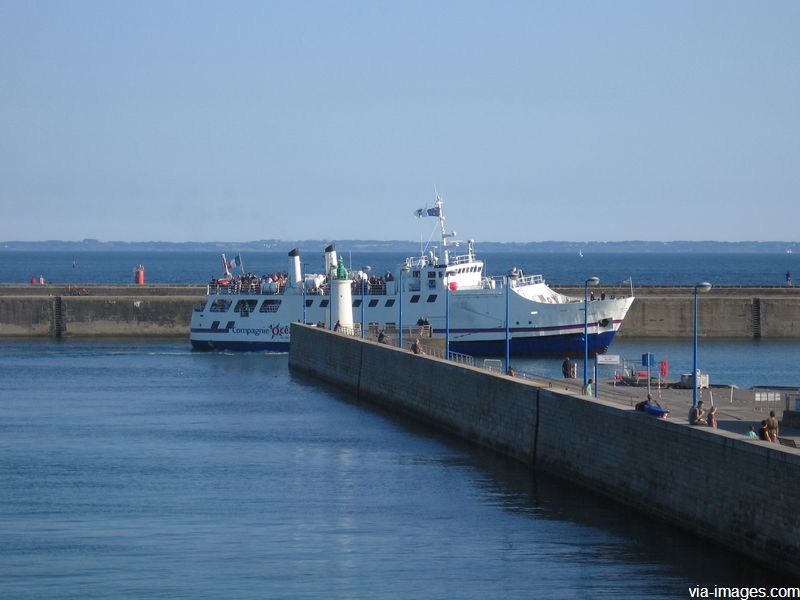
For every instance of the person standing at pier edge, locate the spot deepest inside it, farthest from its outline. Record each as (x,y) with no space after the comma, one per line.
(566,368)
(712,417)
(788,279)
(772,427)
(587,391)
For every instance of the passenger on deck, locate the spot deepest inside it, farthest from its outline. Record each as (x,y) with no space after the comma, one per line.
(763,435)
(337,327)
(566,368)
(381,337)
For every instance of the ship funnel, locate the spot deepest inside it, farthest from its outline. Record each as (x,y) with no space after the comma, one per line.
(331,261)
(295,273)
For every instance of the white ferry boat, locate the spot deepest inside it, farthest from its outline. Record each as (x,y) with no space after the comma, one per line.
(445,288)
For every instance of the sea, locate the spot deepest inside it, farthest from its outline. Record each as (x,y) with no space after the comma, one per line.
(557,268)
(141,469)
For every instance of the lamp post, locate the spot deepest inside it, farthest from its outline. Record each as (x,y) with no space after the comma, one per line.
(400,320)
(591,281)
(703,286)
(365,270)
(305,306)
(447,319)
(511,276)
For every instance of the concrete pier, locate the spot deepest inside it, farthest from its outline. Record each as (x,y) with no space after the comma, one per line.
(715,484)
(165,310)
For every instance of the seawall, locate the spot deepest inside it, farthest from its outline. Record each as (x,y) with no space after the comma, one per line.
(154,310)
(740,493)
(724,312)
(145,315)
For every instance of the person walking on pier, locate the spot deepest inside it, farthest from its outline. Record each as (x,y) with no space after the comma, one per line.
(566,368)
(772,427)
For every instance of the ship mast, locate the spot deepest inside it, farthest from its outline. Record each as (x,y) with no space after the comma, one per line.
(440,213)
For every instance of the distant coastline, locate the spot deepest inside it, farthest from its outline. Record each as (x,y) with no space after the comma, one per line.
(407,247)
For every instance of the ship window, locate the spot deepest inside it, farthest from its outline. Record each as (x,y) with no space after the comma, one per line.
(230,324)
(440,274)
(309,303)
(431,274)
(373,303)
(415,273)
(200,306)
(215,325)
(389,303)
(270,306)
(432,298)
(245,306)
(414,298)
(220,305)
(323,303)
(356,303)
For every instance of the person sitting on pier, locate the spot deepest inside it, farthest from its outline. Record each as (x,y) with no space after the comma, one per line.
(697,414)
(381,337)
(416,347)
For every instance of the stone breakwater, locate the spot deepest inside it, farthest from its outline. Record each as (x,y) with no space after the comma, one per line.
(64,311)
(165,310)
(715,484)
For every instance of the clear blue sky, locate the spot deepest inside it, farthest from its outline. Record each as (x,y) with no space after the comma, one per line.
(536,121)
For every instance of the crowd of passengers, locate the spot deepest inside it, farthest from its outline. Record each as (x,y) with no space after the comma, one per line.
(249,283)
(372,285)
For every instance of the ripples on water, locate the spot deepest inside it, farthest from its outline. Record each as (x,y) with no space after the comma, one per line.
(145,470)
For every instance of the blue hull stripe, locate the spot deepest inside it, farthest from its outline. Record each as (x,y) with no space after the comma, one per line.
(241,346)
(550,345)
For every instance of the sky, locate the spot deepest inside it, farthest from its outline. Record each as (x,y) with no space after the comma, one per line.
(535,121)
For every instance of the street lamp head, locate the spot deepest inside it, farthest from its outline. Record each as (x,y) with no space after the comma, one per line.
(703,286)
(593,281)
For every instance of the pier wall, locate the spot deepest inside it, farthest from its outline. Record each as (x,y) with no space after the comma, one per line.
(64,316)
(718,485)
(657,312)
(724,312)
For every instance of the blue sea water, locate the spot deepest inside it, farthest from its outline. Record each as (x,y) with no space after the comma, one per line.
(198,267)
(132,470)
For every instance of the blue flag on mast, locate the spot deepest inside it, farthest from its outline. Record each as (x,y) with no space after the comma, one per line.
(427,212)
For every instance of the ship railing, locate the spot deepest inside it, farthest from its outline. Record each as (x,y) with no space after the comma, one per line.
(252,289)
(461,259)
(530,280)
